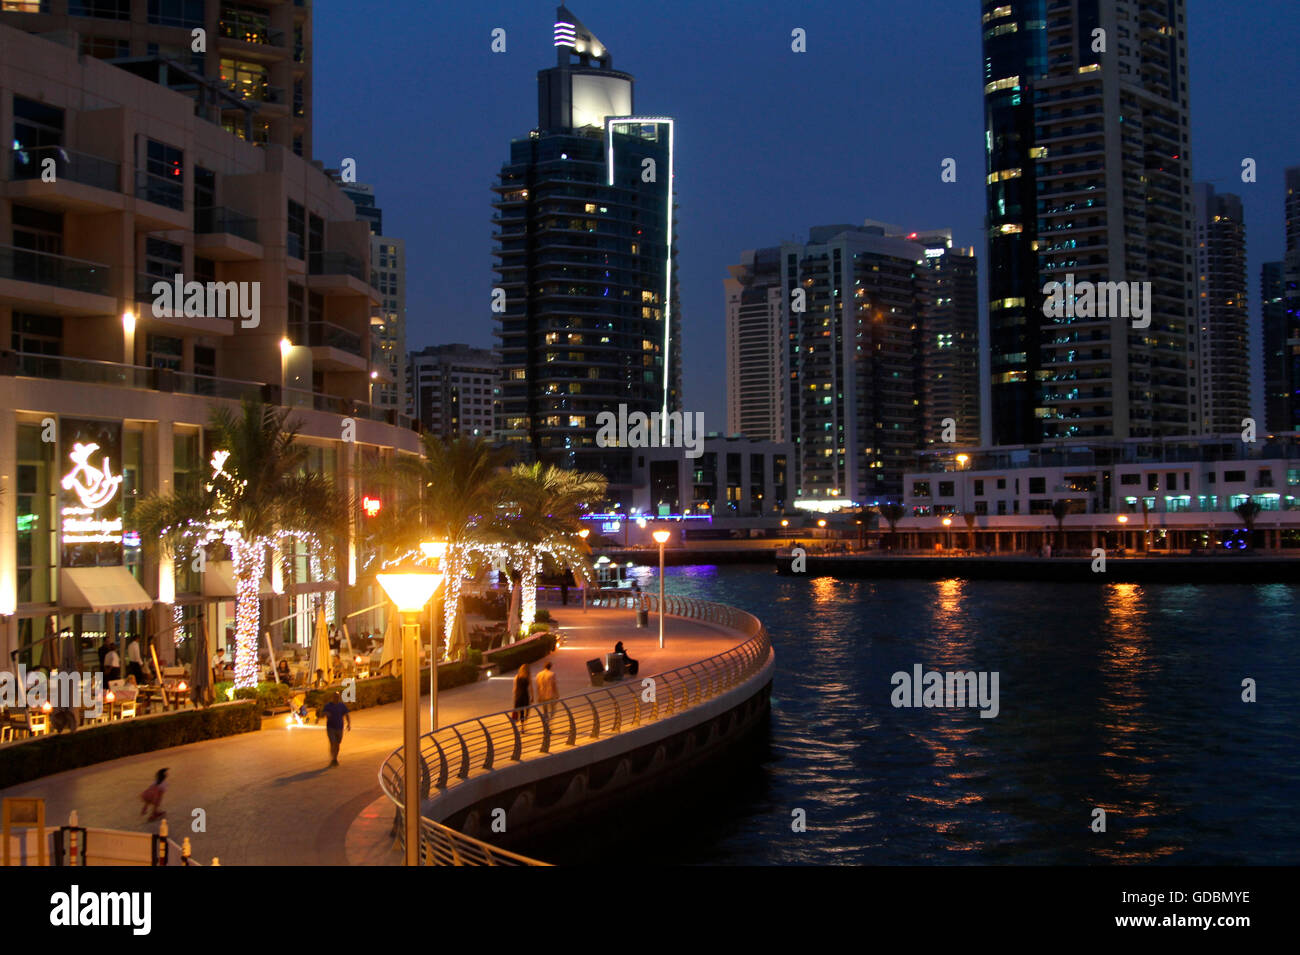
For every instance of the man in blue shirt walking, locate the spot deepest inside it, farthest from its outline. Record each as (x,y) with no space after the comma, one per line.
(336,712)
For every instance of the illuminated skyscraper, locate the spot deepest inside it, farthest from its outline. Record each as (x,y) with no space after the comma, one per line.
(585,230)
(1222,322)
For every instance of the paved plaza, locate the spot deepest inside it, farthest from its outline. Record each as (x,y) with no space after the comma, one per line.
(270,798)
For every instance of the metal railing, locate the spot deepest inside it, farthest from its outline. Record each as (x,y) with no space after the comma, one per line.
(69,164)
(336,263)
(211,220)
(474,746)
(44,268)
(160,190)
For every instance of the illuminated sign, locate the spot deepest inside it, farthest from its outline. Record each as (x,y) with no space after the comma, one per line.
(371,505)
(90,505)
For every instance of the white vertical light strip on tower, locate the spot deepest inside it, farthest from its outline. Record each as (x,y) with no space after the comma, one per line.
(668,271)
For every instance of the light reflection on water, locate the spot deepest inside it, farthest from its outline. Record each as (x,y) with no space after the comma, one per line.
(1117,696)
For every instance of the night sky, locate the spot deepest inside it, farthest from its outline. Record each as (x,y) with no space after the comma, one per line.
(769,142)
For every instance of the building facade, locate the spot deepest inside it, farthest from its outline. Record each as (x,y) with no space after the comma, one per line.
(734,477)
(454,390)
(388,319)
(1088,181)
(586,302)
(1280,298)
(950,350)
(252,76)
(1222,318)
(756,347)
(135,299)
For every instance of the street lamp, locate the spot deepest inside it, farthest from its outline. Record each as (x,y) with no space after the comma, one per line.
(583,534)
(410,592)
(947,523)
(661,538)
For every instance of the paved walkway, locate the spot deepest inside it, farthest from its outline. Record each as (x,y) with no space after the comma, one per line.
(269,798)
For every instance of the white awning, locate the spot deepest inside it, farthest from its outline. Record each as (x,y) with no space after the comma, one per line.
(219,580)
(100,590)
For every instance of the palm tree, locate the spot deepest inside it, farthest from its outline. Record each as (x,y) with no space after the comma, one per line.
(969,518)
(542,522)
(257,496)
(451,493)
(1248,510)
(1060,510)
(892,513)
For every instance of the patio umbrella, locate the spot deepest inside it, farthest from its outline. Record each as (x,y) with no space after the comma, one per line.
(392,651)
(320,650)
(345,649)
(459,632)
(201,689)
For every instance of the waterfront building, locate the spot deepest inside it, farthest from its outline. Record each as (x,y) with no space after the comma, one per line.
(734,477)
(585,255)
(1190,484)
(756,347)
(114,188)
(950,352)
(1088,176)
(253,76)
(1222,320)
(1280,298)
(454,389)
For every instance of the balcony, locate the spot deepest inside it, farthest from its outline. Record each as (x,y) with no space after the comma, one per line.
(334,348)
(176,321)
(27,278)
(160,203)
(223,234)
(338,273)
(81,183)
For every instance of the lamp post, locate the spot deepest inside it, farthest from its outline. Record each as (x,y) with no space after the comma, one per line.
(583,534)
(661,538)
(947,524)
(410,592)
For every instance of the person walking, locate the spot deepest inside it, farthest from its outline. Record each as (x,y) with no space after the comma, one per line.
(336,712)
(548,691)
(134,664)
(153,796)
(523,695)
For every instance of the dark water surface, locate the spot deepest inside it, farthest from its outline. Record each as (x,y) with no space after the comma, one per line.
(1119,696)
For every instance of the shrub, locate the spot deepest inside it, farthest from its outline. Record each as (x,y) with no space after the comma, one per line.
(267,694)
(543,615)
(513,657)
(56,752)
(377,691)
(472,657)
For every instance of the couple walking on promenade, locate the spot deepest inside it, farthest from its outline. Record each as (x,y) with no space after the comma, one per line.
(548,691)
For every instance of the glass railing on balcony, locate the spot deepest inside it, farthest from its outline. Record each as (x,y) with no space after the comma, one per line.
(336,263)
(210,220)
(232,388)
(326,335)
(28,365)
(42,268)
(68,164)
(160,190)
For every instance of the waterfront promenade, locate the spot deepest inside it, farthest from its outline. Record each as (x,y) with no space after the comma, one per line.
(269,798)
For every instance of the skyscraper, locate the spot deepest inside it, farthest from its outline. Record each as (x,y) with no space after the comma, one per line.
(1222,322)
(950,349)
(756,347)
(253,75)
(1280,295)
(585,219)
(1088,166)
(453,390)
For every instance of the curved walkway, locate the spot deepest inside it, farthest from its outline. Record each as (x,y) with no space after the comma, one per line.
(269,798)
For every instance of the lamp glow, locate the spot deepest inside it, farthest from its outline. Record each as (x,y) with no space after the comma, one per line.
(661,537)
(434,549)
(1123,518)
(128,322)
(409,591)
(285,345)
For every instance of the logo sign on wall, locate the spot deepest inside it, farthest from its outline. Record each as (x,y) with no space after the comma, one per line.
(90,493)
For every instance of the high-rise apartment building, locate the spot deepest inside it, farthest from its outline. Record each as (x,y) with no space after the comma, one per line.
(251,75)
(134,302)
(586,262)
(453,390)
(756,347)
(950,350)
(1222,321)
(1088,181)
(388,318)
(1280,297)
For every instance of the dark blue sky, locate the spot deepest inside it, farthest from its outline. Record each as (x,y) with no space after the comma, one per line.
(769,142)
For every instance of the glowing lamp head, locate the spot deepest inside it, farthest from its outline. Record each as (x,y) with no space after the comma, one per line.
(409,591)
(822,522)
(128,322)
(784,522)
(181,686)
(583,533)
(47,706)
(110,696)
(434,550)
(947,521)
(661,537)
(374,375)
(285,345)
(963,458)
(1123,518)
